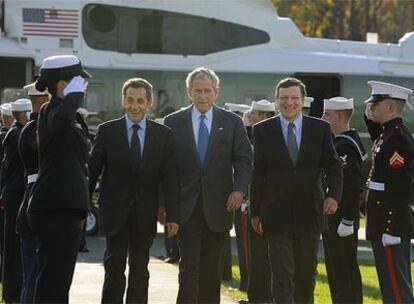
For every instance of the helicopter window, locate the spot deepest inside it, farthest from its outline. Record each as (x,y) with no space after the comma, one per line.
(160,32)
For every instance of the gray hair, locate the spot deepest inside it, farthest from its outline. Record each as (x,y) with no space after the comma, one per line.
(202,73)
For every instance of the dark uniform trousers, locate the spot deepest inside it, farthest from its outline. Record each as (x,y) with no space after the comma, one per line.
(293,280)
(12,263)
(128,242)
(242,239)
(200,250)
(394,271)
(259,289)
(342,267)
(58,236)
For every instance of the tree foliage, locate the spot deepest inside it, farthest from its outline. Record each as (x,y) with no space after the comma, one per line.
(350,19)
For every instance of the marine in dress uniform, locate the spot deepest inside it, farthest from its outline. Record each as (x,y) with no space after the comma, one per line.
(390,221)
(7,121)
(12,195)
(60,196)
(259,289)
(340,241)
(29,156)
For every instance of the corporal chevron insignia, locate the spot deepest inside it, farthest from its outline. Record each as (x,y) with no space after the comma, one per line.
(397,161)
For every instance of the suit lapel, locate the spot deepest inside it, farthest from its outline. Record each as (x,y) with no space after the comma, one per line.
(149,142)
(188,133)
(280,139)
(305,139)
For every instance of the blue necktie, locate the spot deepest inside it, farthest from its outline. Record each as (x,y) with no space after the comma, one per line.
(202,140)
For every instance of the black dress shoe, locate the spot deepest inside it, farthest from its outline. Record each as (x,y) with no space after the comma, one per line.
(84,249)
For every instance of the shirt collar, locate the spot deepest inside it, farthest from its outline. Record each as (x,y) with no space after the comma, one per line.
(297,122)
(196,113)
(142,124)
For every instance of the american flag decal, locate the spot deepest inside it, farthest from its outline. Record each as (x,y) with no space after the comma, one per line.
(50,22)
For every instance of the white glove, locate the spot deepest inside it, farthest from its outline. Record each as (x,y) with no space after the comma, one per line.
(368,112)
(388,240)
(345,230)
(76,85)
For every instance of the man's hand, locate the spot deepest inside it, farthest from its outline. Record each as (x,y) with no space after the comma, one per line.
(389,240)
(330,206)
(172,228)
(234,201)
(162,218)
(257,225)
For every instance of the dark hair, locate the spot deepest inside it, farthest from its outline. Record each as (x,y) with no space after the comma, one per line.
(291,82)
(137,83)
(49,85)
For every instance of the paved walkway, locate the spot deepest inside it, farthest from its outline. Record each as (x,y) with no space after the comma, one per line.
(89,274)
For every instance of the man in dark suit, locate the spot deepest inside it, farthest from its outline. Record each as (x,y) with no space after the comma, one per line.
(134,155)
(215,169)
(288,205)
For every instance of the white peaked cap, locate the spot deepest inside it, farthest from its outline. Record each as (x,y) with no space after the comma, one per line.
(31,90)
(237,107)
(383,90)
(21,105)
(263,105)
(308,101)
(6,109)
(59,61)
(338,103)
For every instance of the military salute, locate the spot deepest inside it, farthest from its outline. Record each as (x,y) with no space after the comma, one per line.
(307,179)
(390,222)
(341,239)
(60,196)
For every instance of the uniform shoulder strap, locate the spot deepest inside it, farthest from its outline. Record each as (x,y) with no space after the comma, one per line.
(363,156)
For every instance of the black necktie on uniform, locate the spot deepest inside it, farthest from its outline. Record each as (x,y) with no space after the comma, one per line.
(135,146)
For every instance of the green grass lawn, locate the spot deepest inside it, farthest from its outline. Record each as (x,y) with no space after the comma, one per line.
(371,290)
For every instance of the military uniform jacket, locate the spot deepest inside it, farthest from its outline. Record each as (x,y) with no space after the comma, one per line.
(62,183)
(3,132)
(349,147)
(14,183)
(29,156)
(390,183)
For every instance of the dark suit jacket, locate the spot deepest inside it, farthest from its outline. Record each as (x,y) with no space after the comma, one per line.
(227,166)
(121,186)
(288,197)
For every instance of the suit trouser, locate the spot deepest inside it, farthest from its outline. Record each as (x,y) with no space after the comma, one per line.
(259,289)
(240,226)
(30,267)
(128,242)
(58,235)
(293,260)
(226,259)
(12,263)
(342,267)
(394,271)
(199,266)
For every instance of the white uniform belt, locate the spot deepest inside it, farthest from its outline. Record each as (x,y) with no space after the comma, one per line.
(31,178)
(376,186)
